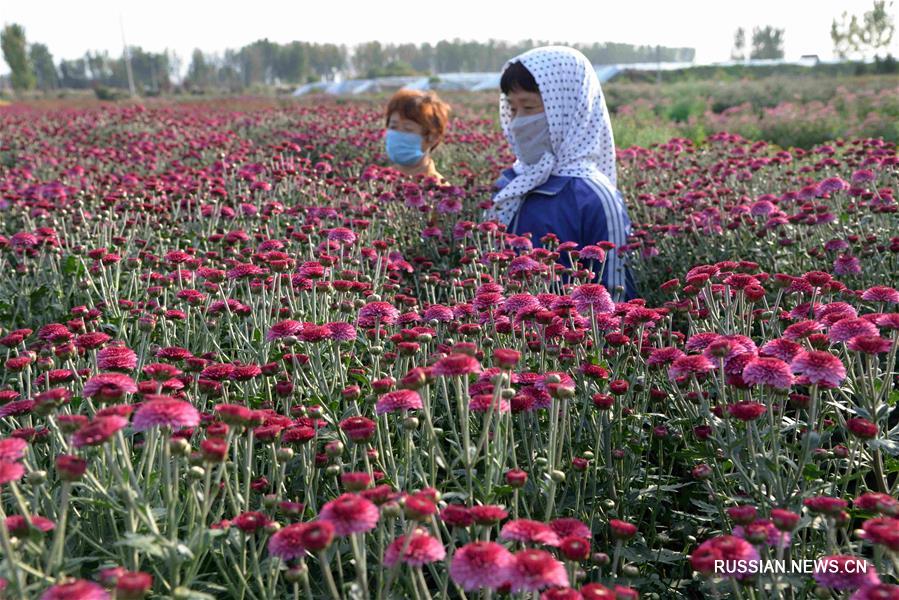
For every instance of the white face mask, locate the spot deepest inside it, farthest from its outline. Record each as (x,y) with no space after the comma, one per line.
(531,137)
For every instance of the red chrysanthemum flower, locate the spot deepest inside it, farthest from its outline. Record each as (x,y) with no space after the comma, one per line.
(747,410)
(456,365)
(883,531)
(727,548)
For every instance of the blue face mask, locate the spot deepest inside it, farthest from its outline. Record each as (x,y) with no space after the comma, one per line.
(403,148)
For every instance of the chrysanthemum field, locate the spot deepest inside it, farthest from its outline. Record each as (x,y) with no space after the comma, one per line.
(241,360)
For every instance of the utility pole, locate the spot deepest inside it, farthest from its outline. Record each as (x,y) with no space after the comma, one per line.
(127,57)
(658,64)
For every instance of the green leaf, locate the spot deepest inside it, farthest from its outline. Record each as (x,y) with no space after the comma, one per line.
(143,543)
(891,447)
(71,265)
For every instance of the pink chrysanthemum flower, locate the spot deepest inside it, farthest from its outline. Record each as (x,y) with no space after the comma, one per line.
(163,411)
(438,312)
(819,368)
(770,372)
(399,400)
(116,358)
(592,297)
(846,329)
(694,364)
(10,471)
(532,570)
(12,449)
(661,357)
(881,293)
(530,532)
(781,348)
(341,332)
(98,431)
(350,513)
(109,387)
(845,572)
(802,329)
(380,312)
(79,589)
(481,565)
(421,549)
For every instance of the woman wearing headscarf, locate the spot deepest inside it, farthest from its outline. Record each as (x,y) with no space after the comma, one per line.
(563,181)
(416,124)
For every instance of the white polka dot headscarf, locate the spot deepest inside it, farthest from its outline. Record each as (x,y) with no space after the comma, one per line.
(579,127)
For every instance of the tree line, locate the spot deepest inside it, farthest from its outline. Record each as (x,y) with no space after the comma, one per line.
(264,62)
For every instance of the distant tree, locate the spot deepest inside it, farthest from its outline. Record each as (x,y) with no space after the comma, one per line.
(200,73)
(873,32)
(767,42)
(739,44)
(15,52)
(73,74)
(44,69)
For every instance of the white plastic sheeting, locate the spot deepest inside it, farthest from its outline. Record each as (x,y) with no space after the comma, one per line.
(490,81)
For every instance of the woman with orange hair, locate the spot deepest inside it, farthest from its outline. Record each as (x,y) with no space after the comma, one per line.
(416,124)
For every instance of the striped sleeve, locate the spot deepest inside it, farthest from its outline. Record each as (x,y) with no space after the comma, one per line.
(613,226)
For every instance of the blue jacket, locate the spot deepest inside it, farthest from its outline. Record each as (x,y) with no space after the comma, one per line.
(577,210)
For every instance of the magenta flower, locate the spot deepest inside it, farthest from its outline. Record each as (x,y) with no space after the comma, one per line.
(163,411)
(295,540)
(421,549)
(531,532)
(693,364)
(456,365)
(98,431)
(769,372)
(478,565)
(78,589)
(844,572)
(350,513)
(819,368)
(532,570)
(116,358)
(399,400)
(109,387)
(10,471)
(283,329)
(592,297)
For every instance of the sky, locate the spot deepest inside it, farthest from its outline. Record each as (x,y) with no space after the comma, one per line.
(69,28)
